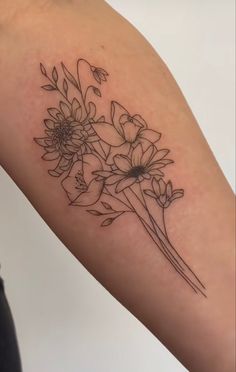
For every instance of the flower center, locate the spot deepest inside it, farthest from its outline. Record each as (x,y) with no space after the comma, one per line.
(80,183)
(137,171)
(63,133)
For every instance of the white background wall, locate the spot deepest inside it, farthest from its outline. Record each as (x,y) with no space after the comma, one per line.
(65,320)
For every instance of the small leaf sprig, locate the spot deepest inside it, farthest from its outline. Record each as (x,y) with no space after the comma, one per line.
(109,211)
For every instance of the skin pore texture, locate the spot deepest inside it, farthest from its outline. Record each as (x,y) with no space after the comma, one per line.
(139,94)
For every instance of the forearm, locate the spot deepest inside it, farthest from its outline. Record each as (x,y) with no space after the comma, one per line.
(133,257)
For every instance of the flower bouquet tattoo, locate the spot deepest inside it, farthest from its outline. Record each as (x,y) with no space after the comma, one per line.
(111,166)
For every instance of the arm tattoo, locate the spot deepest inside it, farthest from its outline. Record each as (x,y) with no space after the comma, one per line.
(111,166)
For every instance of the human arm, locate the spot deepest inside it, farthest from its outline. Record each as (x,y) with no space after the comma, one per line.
(141,83)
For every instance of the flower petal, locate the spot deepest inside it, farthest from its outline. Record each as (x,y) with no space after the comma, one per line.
(124,183)
(150,135)
(169,189)
(156,172)
(121,150)
(122,162)
(76,109)
(65,109)
(147,155)
(138,120)
(92,110)
(150,193)
(94,138)
(114,179)
(156,187)
(160,155)
(56,172)
(73,148)
(176,195)
(116,111)
(145,143)
(92,195)
(69,185)
(124,118)
(156,165)
(130,131)
(162,186)
(137,155)
(53,112)
(50,124)
(42,141)
(103,173)
(50,156)
(76,141)
(108,133)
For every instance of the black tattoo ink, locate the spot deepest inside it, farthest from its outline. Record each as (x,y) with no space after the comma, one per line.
(113,165)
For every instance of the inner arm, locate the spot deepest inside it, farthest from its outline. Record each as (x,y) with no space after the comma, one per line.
(97,134)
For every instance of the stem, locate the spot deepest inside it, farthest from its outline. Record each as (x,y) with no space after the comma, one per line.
(114,212)
(166,242)
(172,259)
(155,225)
(121,201)
(79,83)
(86,92)
(166,253)
(58,89)
(162,243)
(183,275)
(163,220)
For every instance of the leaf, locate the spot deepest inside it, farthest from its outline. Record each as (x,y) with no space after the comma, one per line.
(43,70)
(106,205)
(94,212)
(55,74)
(107,222)
(97,92)
(65,86)
(48,87)
(69,76)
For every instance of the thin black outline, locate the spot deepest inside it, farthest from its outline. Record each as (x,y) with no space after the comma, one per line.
(116,158)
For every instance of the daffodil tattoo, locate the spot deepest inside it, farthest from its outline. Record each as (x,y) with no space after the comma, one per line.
(109,165)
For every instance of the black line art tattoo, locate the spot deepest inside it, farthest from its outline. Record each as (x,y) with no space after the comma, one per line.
(111,166)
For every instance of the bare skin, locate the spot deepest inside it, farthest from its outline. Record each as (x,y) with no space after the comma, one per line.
(199,331)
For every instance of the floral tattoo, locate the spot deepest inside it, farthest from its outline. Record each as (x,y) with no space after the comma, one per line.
(113,165)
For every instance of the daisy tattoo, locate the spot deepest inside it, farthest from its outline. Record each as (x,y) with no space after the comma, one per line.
(109,165)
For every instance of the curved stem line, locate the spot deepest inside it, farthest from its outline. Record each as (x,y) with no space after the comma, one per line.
(156,226)
(163,239)
(164,247)
(58,89)
(121,201)
(163,221)
(166,253)
(172,259)
(183,275)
